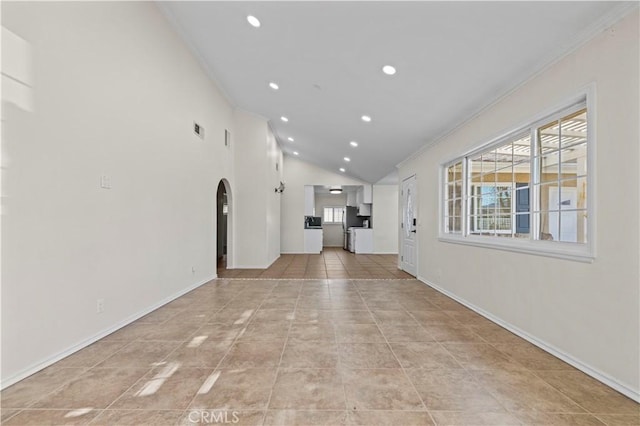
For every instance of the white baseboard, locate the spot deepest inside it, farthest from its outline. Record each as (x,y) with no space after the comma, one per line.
(386,252)
(569,359)
(34,368)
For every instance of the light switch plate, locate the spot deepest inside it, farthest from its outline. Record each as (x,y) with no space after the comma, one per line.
(105,182)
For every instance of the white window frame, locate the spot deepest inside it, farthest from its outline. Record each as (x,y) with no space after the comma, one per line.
(333,214)
(582,252)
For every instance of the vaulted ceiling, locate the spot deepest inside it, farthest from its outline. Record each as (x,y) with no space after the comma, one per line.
(326,58)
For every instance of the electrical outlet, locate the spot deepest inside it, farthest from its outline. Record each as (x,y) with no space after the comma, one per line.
(105,182)
(100,306)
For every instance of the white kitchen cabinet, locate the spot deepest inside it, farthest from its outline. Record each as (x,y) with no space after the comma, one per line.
(364,210)
(363,239)
(367,194)
(309,200)
(313,241)
(351,199)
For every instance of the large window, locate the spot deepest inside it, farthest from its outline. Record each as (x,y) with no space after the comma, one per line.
(333,214)
(529,186)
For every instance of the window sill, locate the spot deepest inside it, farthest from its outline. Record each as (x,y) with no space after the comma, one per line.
(566,251)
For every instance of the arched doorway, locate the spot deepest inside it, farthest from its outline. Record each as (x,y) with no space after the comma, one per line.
(223,225)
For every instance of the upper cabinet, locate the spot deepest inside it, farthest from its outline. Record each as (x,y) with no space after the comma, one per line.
(364,195)
(367,194)
(352,199)
(309,200)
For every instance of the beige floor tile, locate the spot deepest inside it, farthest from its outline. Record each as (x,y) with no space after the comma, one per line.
(589,393)
(260,331)
(172,331)
(310,354)
(92,354)
(389,418)
(480,356)
(532,357)
(452,333)
(313,316)
(521,390)
(432,317)
(222,417)
(7,413)
(452,390)
(493,333)
(219,332)
(405,333)
(137,417)
(352,317)
(35,387)
(308,389)
(379,389)
(132,332)
(139,355)
(427,355)
(200,354)
(620,419)
(359,333)
(543,419)
(276,315)
(235,389)
(232,316)
(315,332)
(305,417)
(394,317)
(253,355)
(81,392)
(52,417)
(167,387)
(367,355)
(460,418)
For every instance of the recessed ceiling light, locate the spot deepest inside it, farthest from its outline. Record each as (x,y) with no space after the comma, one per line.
(290,139)
(296,153)
(347,159)
(253,21)
(283,118)
(366,118)
(353,143)
(389,70)
(342,169)
(335,190)
(274,86)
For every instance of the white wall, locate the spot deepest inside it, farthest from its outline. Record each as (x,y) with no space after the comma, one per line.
(332,234)
(114,92)
(590,312)
(297,174)
(385,219)
(257,205)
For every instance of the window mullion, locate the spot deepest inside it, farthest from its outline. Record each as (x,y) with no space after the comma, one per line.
(534,190)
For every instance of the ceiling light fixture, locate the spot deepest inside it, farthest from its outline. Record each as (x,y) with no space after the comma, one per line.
(274,86)
(353,144)
(335,191)
(290,139)
(283,118)
(296,153)
(388,70)
(347,159)
(342,169)
(366,118)
(253,21)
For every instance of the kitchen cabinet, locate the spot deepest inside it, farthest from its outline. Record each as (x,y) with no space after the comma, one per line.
(364,210)
(367,194)
(351,199)
(363,240)
(309,200)
(313,241)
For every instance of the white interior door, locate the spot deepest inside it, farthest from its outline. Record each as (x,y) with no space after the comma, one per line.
(409,225)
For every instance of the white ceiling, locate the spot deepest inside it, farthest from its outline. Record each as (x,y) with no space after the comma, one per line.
(452,59)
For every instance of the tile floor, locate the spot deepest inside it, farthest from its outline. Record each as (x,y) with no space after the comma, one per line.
(331,263)
(308,352)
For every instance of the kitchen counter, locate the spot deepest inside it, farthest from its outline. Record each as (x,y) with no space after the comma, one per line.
(313,240)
